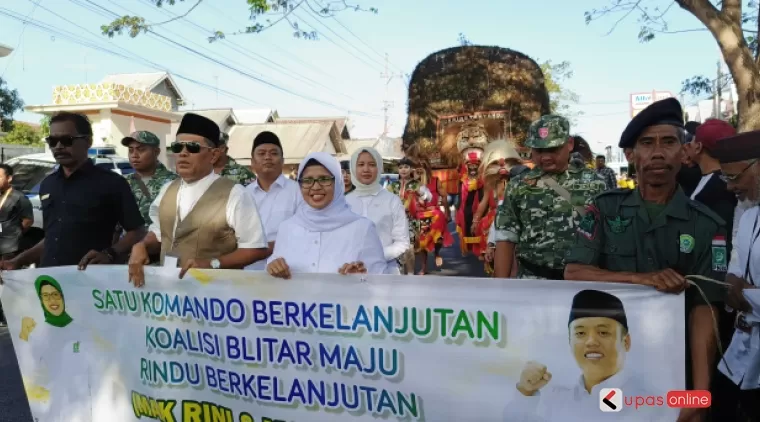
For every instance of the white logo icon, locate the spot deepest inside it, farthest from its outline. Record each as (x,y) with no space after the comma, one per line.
(611,400)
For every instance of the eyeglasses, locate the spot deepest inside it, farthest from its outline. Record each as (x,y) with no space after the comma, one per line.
(732,178)
(49,296)
(65,140)
(192,147)
(308,182)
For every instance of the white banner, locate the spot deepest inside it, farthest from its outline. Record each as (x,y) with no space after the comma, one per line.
(234,346)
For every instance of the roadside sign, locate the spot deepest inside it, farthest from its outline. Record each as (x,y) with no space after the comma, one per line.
(640,100)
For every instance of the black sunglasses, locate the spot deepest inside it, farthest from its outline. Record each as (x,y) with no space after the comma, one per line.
(66,140)
(192,147)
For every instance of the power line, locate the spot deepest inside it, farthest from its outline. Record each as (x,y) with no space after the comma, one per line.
(77,39)
(20,38)
(240,71)
(249,53)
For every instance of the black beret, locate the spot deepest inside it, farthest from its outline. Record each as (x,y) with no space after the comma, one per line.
(691,127)
(742,147)
(345,165)
(266,137)
(596,303)
(663,112)
(194,124)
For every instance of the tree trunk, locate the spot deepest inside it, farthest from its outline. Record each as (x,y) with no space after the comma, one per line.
(725,26)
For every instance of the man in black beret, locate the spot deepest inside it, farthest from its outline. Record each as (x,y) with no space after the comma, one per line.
(655,235)
(345,168)
(276,196)
(202,220)
(227,167)
(737,382)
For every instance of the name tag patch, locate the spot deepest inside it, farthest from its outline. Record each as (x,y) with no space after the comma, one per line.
(719,254)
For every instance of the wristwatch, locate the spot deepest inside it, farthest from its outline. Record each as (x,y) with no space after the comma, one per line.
(215,264)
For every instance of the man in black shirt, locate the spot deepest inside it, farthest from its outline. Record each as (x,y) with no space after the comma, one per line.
(81,204)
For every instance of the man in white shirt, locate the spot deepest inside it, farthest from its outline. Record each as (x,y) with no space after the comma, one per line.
(740,366)
(276,196)
(201,220)
(599,343)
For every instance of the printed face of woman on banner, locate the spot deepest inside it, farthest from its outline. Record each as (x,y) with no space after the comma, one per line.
(52,301)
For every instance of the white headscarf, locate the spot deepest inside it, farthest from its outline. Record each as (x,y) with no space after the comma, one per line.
(374,187)
(335,215)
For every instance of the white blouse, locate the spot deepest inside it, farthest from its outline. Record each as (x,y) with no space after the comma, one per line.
(387,212)
(325,252)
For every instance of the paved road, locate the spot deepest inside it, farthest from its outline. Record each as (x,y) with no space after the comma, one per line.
(13,404)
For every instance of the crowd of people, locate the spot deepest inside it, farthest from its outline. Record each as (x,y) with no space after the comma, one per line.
(561,217)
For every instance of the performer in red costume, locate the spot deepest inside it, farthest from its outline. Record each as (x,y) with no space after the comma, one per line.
(470,196)
(434,233)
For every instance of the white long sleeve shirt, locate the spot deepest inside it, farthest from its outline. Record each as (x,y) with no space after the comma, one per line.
(387,212)
(275,206)
(743,354)
(325,252)
(241,212)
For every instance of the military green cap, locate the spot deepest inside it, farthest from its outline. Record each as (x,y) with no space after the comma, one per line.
(142,136)
(549,131)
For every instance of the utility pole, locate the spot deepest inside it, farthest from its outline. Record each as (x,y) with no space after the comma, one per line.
(387,76)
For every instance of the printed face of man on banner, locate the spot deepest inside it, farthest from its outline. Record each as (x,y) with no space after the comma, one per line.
(599,337)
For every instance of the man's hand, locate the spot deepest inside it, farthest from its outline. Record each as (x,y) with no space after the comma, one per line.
(534,377)
(8,265)
(279,268)
(352,268)
(194,263)
(691,415)
(735,297)
(94,258)
(138,259)
(666,281)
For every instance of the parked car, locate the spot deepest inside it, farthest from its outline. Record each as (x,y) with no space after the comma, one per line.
(30,170)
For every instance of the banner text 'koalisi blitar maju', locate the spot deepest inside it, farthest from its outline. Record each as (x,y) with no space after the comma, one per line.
(320,318)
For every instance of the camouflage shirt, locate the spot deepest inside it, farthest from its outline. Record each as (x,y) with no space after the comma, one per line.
(539,221)
(154,184)
(237,173)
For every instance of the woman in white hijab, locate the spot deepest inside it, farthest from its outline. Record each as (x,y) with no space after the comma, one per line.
(385,209)
(324,235)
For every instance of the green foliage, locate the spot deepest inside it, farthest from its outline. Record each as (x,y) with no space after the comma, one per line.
(263,13)
(23,134)
(10,103)
(561,99)
(45,126)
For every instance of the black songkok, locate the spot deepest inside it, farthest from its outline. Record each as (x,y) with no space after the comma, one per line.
(266,137)
(742,147)
(194,124)
(596,303)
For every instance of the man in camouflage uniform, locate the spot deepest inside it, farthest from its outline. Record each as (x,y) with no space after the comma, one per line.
(229,168)
(150,175)
(541,209)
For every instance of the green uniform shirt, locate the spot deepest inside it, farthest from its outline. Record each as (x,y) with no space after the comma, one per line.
(237,173)
(539,221)
(161,177)
(617,234)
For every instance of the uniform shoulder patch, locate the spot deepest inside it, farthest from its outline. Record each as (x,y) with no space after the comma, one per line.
(704,209)
(719,254)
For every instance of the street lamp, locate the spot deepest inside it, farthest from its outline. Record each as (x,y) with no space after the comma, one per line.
(5,50)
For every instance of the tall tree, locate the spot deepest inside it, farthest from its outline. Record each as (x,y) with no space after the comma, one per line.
(561,99)
(10,103)
(733,24)
(263,14)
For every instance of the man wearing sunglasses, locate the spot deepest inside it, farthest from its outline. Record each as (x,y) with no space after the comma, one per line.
(81,204)
(229,168)
(202,220)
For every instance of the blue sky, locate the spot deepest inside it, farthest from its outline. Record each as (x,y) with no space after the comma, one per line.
(607,68)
